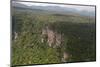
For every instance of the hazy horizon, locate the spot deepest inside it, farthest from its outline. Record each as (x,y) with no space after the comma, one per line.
(77,7)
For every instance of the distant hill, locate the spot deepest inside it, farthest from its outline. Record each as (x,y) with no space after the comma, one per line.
(55,9)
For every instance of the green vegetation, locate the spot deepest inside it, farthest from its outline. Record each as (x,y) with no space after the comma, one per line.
(79,38)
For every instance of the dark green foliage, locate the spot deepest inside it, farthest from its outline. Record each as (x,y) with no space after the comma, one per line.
(78,38)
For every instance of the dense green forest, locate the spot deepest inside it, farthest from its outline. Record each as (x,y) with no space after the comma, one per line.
(78,38)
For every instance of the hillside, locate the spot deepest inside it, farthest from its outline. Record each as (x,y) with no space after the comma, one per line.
(46,37)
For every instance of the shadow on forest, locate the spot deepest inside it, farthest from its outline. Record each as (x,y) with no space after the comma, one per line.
(81,39)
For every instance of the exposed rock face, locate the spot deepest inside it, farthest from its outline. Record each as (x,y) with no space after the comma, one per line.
(53,38)
(58,39)
(65,57)
(15,35)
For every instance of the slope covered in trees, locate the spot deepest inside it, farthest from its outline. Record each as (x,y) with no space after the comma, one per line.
(27,48)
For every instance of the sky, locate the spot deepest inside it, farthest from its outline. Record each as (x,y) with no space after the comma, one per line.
(77,7)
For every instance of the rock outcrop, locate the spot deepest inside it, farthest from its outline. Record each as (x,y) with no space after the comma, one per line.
(51,36)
